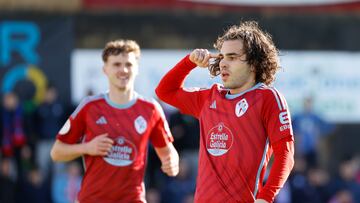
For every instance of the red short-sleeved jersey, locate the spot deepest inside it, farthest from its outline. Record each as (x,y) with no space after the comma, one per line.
(117,177)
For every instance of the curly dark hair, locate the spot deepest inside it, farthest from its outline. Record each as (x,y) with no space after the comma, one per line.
(259,48)
(120,46)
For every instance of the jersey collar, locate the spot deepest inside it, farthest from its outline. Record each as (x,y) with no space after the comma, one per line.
(233,96)
(121,106)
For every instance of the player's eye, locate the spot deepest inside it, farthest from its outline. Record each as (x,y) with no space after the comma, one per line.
(230,58)
(128,65)
(117,64)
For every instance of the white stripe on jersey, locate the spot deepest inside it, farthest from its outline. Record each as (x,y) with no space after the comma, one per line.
(283,100)
(85,101)
(279,100)
(262,162)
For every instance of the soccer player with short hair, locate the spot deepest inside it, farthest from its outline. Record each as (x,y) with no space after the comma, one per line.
(242,122)
(111,132)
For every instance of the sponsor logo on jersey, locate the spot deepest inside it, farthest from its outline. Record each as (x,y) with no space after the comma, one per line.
(122,153)
(66,128)
(219,140)
(213,105)
(101,121)
(140,124)
(283,117)
(284,127)
(241,107)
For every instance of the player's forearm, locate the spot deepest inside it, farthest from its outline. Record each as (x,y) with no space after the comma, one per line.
(167,152)
(280,170)
(169,159)
(173,80)
(66,152)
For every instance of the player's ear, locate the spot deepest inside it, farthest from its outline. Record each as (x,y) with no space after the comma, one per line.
(252,68)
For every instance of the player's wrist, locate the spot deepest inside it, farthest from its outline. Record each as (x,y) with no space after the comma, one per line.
(85,149)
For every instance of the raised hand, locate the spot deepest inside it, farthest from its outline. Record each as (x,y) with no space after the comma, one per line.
(201,57)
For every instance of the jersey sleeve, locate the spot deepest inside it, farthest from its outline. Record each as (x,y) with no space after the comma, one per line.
(74,128)
(171,89)
(280,170)
(160,133)
(276,116)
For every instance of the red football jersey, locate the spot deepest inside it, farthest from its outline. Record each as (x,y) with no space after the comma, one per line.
(236,133)
(117,177)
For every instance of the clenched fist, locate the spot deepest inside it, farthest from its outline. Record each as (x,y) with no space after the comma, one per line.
(169,159)
(99,146)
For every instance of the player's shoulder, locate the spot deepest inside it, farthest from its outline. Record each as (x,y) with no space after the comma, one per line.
(147,101)
(270,93)
(87,101)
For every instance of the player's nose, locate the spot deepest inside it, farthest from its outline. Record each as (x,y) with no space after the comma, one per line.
(223,64)
(123,69)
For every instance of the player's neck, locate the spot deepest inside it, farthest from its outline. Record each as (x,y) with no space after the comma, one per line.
(243,88)
(121,96)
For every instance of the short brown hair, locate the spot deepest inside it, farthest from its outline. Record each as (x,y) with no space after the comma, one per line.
(259,48)
(120,46)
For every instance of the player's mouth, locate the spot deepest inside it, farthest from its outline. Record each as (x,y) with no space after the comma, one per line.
(123,78)
(224,76)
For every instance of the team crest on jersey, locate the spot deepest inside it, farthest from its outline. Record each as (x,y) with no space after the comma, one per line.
(241,107)
(140,124)
(122,153)
(219,140)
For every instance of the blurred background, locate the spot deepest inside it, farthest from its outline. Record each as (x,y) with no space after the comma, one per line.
(50,58)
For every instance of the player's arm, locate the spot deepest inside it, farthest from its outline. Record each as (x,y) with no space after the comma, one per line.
(162,139)
(99,146)
(170,88)
(283,151)
(169,159)
(68,146)
(277,121)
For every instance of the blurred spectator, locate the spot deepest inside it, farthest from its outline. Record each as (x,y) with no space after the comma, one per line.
(66,184)
(185,130)
(284,195)
(12,125)
(308,129)
(178,189)
(189,198)
(319,180)
(343,196)
(7,182)
(186,133)
(26,161)
(357,161)
(346,180)
(50,117)
(153,196)
(301,190)
(33,188)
